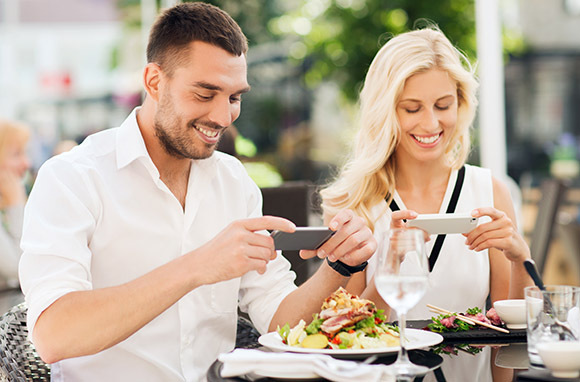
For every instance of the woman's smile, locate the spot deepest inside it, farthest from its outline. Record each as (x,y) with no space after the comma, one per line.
(428,140)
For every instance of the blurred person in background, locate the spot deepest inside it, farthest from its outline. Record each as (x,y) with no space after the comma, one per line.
(63,146)
(14,164)
(141,243)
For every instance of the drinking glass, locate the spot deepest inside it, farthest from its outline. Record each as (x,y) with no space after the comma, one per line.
(553,315)
(401,280)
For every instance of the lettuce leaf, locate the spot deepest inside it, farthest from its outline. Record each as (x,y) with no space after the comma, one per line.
(314,326)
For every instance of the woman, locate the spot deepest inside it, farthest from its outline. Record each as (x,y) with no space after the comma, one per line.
(416,110)
(14,164)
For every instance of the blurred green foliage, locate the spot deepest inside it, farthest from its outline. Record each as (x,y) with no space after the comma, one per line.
(253,16)
(337,39)
(345,35)
(131,12)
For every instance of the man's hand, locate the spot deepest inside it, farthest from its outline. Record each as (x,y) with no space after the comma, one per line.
(241,247)
(353,243)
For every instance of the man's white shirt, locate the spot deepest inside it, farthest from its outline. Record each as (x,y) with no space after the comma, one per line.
(100,216)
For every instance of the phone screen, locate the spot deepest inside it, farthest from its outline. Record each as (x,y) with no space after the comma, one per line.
(302,238)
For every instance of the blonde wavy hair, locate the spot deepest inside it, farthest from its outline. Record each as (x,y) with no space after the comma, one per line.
(369,174)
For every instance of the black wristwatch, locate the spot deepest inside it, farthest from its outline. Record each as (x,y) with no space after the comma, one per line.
(346,270)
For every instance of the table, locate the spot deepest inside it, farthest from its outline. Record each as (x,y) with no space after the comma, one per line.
(459,365)
(493,359)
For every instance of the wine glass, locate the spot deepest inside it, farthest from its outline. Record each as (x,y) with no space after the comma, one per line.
(401,280)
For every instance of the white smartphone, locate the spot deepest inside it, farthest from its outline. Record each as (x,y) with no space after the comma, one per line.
(436,224)
(302,238)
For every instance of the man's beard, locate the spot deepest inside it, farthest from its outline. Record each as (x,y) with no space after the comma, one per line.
(181,147)
(180,144)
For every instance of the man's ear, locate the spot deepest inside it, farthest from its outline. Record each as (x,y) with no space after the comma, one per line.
(152,75)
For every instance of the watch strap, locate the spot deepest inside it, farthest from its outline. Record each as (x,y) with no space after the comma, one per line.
(344,269)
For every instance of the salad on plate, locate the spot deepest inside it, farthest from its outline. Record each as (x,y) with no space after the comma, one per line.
(345,321)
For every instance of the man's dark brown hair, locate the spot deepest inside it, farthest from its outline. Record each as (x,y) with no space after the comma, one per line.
(182,24)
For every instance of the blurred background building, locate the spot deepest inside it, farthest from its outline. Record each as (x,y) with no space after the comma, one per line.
(543,91)
(57,69)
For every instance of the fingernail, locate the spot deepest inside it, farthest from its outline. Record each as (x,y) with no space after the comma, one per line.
(332,258)
(321,253)
(333,225)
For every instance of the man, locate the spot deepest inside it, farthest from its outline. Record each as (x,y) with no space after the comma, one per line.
(140,243)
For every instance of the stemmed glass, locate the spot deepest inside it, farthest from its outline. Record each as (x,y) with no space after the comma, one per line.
(401,280)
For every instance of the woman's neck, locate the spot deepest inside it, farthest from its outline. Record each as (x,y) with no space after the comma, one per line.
(422,186)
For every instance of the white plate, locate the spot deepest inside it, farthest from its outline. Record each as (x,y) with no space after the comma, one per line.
(417,339)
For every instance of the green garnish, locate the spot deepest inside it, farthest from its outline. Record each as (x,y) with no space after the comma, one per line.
(453,349)
(438,327)
(470,348)
(473,311)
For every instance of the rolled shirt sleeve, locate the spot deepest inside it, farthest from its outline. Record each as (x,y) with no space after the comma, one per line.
(58,221)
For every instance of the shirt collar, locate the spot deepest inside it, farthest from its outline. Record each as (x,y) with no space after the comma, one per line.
(131,146)
(130,143)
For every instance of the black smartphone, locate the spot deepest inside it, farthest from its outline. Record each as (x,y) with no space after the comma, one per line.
(302,238)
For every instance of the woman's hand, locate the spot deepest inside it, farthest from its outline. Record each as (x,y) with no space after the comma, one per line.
(353,243)
(500,233)
(399,218)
